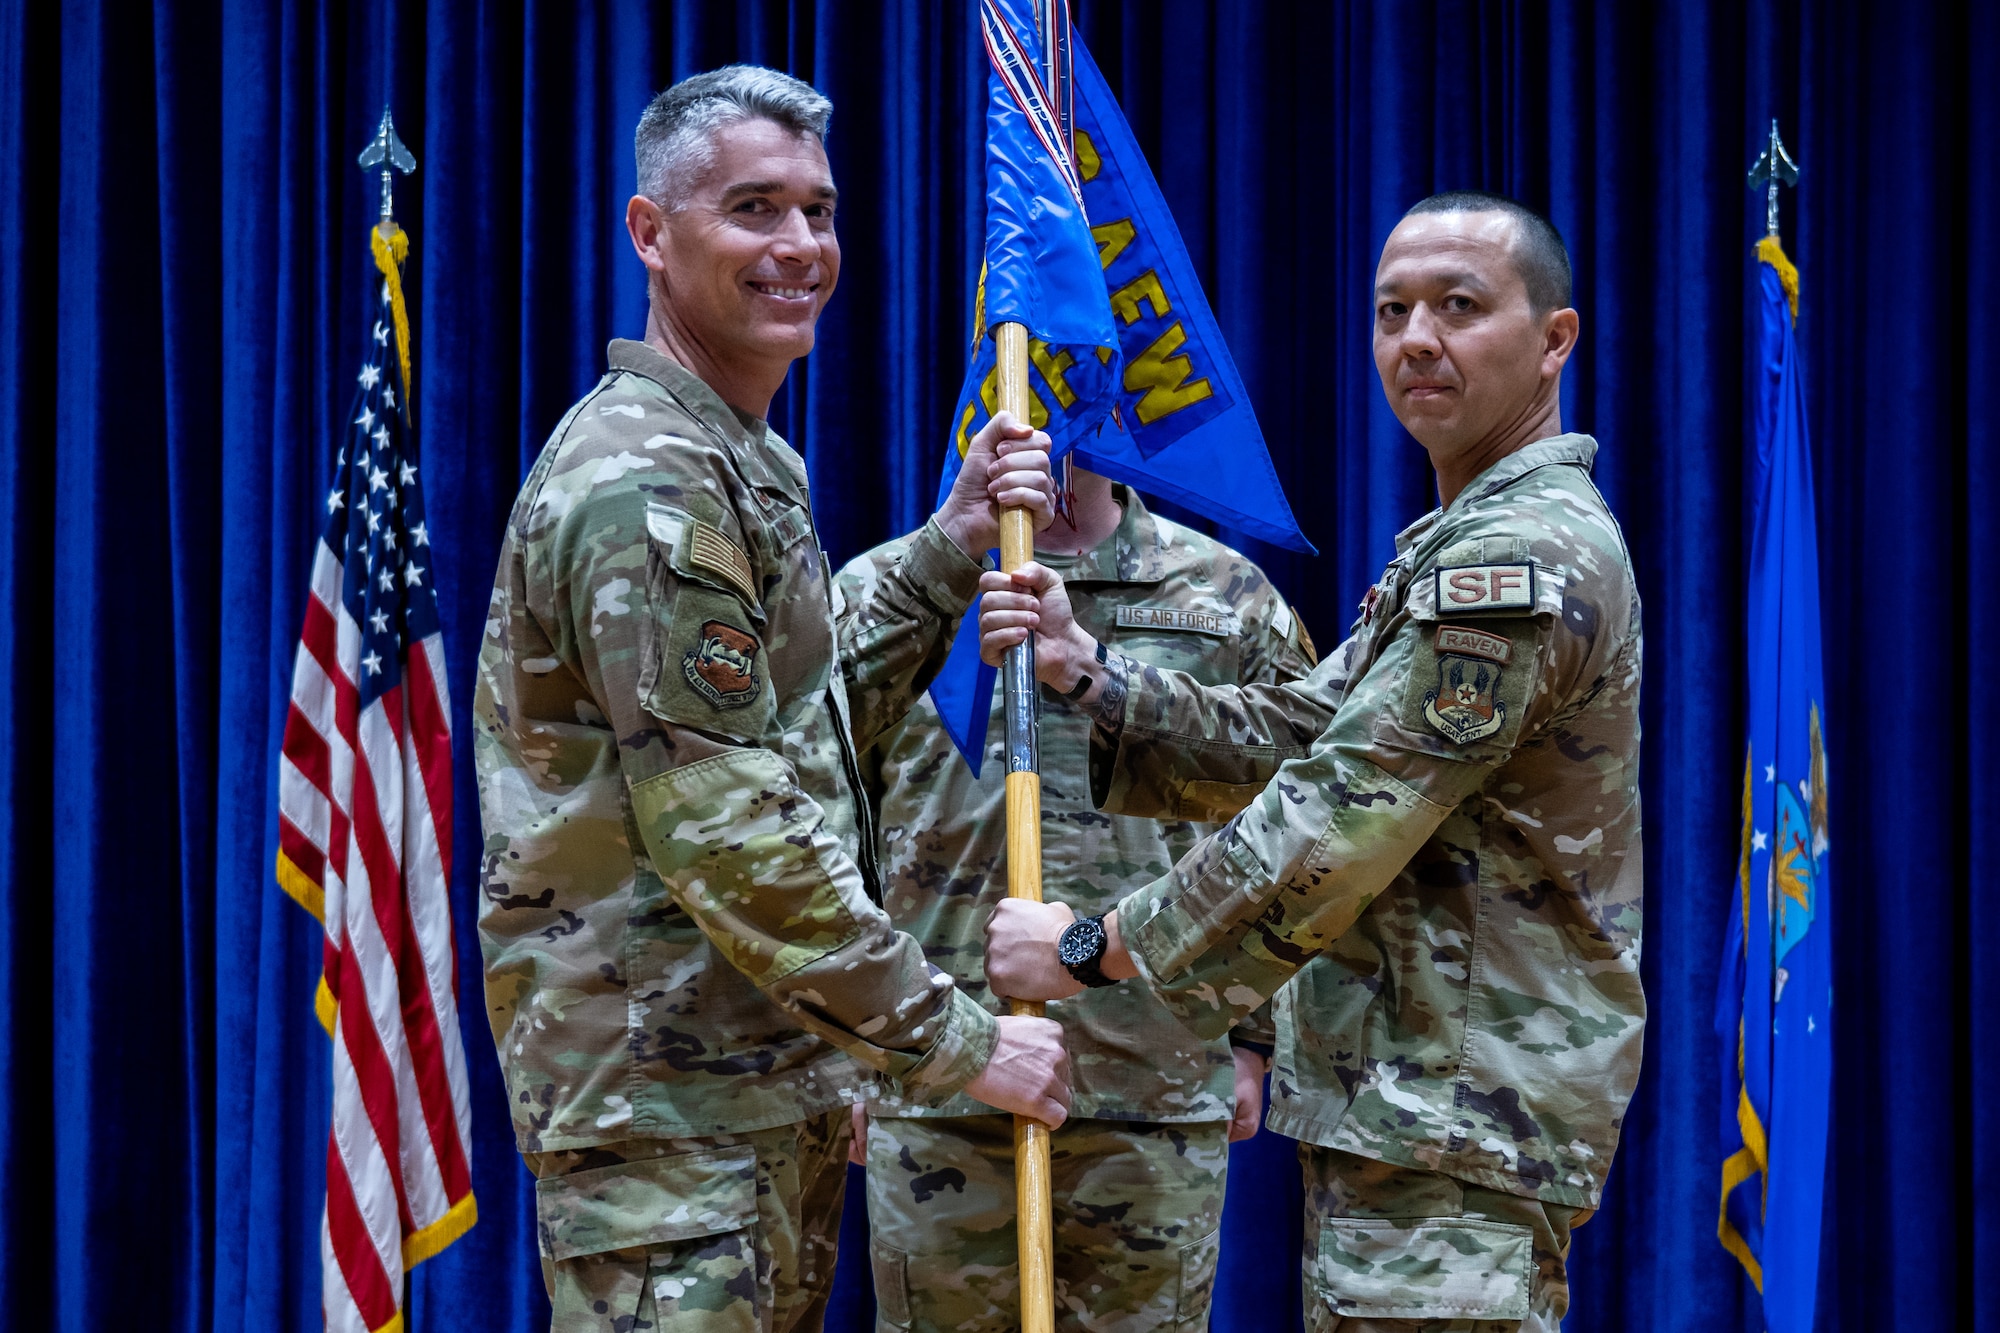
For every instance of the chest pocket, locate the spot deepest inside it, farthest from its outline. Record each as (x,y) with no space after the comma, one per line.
(707,660)
(790,527)
(1480,634)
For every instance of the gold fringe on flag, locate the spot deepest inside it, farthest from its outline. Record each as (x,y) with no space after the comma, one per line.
(1769,251)
(390,252)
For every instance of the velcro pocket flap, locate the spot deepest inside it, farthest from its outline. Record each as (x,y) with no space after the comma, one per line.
(703,552)
(646,1203)
(1429,1268)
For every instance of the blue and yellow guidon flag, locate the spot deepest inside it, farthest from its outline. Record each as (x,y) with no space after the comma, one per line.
(1127,367)
(1774,1009)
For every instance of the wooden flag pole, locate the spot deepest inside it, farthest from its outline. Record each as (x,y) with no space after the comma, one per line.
(1034,1230)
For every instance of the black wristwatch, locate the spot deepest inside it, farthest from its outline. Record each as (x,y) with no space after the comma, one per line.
(1081,949)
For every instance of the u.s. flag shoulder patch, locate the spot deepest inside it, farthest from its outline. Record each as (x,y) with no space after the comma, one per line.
(1476,588)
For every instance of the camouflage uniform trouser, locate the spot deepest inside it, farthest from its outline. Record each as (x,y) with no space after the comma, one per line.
(731,1234)
(1136,1211)
(1390,1249)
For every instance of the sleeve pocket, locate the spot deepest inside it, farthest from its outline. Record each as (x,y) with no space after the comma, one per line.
(705,663)
(1470,683)
(646,1203)
(1431,1268)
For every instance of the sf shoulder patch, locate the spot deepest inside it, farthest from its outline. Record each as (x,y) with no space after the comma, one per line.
(1464,704)
(1486,588)
(722,665)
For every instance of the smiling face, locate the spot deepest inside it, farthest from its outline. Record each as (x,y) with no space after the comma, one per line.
(746,261)
(1468,365)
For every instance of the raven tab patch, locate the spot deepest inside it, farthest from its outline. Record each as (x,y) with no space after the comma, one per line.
(1486,588)
(1475,642)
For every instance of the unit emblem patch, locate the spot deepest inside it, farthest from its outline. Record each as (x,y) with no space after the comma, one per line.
(1462,707)
(722,666)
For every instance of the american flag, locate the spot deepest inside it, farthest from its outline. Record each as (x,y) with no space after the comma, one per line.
(364,843)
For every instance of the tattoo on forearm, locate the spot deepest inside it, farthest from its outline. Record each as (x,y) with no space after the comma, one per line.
(1110,707)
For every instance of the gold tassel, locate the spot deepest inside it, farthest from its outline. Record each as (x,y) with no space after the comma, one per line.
(1769,251)
(390,252)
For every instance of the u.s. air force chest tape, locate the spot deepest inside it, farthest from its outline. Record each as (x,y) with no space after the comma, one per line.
(1482,626)
(705,663)
(1217,624)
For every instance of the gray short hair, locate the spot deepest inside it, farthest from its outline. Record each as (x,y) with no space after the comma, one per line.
(675,141)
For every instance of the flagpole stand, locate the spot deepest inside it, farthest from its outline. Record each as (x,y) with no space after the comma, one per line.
(1034,1228)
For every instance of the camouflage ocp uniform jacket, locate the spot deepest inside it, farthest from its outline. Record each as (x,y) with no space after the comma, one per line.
(677,916)
(1171,597)
(1450,826)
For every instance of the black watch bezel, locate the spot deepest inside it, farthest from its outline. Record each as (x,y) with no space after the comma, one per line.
(1080,949)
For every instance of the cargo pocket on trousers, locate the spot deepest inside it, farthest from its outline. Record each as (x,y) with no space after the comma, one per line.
(892,1284)
(678,1230)
(1197,1280)
(1425,1268)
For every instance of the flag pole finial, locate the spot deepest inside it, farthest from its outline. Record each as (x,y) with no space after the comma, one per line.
(389,153)
(1774,167)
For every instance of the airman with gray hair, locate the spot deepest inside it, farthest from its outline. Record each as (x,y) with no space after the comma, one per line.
(675,141)
(688,974)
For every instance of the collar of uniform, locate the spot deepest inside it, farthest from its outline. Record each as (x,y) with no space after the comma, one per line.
(1131,554)
(1578,450)
(749,439)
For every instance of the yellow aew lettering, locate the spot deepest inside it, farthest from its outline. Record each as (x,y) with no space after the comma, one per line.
(1038,411)
(1112,238)
(1053,368)
(1088,163)
(1163,377)
(1146,287)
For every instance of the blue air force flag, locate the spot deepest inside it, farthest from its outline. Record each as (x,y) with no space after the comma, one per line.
(1127,367)
(1773,1010)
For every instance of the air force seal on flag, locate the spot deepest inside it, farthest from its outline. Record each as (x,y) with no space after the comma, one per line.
(1463,706)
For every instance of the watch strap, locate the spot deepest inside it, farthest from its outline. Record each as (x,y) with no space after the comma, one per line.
(1091,970)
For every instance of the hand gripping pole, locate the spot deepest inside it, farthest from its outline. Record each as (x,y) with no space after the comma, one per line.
(1033,1226)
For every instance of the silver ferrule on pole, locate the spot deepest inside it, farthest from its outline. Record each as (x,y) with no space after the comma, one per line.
(1022,702)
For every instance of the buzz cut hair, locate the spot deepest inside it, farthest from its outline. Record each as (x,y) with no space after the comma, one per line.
(1539,252)
(675,141)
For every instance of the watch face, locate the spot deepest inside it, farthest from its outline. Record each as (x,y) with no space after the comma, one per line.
(1083,942)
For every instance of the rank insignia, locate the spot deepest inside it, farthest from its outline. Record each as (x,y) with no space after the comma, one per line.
(722,666)
(1463,706)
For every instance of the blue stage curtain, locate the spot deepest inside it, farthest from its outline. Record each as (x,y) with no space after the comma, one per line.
(182,281)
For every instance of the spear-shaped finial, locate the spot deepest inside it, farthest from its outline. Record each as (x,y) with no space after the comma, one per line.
(385,150)
(1774,167)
